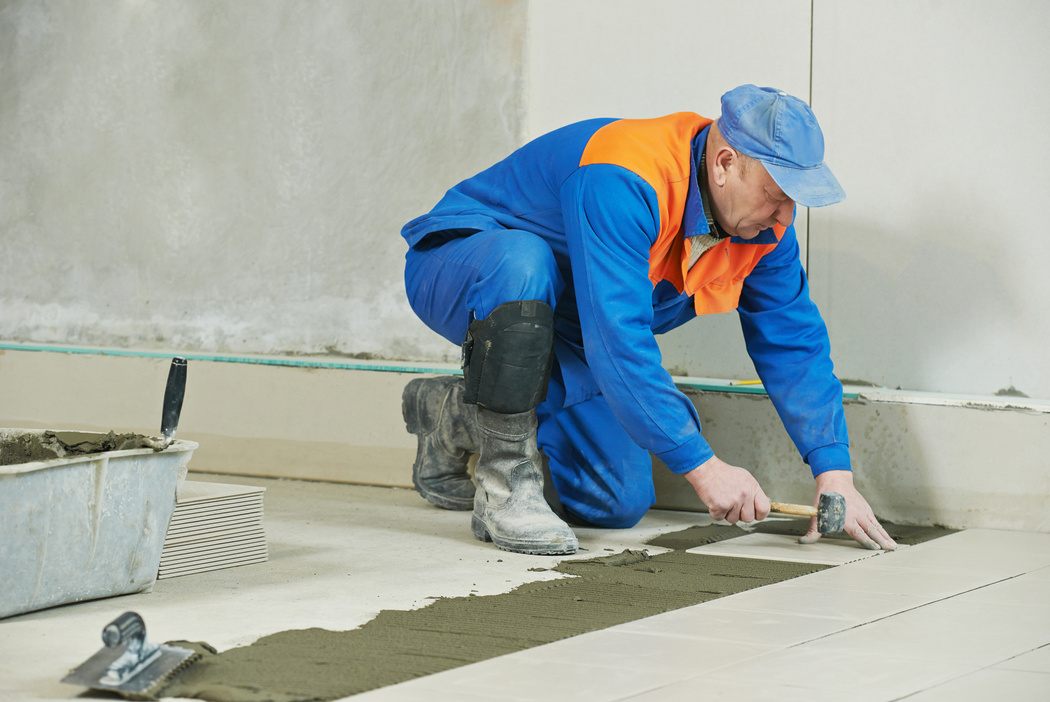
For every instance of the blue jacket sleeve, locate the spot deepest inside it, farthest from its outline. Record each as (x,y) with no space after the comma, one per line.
(611,220)
(788,343)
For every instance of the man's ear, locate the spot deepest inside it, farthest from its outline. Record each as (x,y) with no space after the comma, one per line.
(725,158)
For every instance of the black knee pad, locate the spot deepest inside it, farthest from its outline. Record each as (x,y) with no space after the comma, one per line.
(507,357)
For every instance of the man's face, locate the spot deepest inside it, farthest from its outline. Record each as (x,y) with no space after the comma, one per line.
(750,201)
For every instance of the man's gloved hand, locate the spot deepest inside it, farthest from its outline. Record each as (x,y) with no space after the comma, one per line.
(730,493)
(861,523)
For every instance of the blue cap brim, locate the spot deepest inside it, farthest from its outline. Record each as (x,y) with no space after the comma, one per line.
(809,187)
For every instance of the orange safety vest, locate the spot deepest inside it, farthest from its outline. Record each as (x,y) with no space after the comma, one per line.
(659,151)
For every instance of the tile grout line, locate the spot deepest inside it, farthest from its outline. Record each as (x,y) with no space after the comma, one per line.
(905,611)
(975,670)
(848,628)
(856,626)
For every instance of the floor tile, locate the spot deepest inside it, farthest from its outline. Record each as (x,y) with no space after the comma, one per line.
(841,673)
(989,684)
(781,547)
(704,688)
(994,562)
(667,658)
(855,607)
(509,678)
(1040,573)
(414,691)
(1034,545)
(948,631)
(1037,661)
(880,576)
(1023,590)
(715,621)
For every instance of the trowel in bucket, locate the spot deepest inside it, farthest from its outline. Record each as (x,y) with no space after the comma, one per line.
(174,391)
(129,665)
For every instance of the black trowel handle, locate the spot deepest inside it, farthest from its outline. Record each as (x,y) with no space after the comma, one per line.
(173,395)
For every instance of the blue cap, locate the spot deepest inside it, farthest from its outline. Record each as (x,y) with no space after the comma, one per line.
(782,133)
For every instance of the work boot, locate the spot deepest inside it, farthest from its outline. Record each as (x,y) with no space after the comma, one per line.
(509,508)
(447,436)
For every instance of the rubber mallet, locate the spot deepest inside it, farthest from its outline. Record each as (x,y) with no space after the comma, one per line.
(830,512)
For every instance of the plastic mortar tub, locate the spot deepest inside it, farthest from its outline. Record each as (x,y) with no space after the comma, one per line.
(81,527)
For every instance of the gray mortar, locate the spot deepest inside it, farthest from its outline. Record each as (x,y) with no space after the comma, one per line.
(30,447)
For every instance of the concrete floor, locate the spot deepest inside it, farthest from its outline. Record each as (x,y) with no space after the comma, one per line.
(963,617)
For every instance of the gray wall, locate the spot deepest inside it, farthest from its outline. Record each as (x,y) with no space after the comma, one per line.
(231,177)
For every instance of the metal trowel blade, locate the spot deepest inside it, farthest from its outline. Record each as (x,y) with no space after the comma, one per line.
(142,686)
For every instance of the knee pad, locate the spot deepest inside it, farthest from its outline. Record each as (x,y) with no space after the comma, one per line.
(507,357)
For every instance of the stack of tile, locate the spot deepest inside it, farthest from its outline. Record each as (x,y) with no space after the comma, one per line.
(214,526)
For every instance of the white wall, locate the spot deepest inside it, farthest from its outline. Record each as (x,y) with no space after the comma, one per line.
(933,274)
(621,58)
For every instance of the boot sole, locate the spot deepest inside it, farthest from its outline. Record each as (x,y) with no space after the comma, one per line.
(557,548)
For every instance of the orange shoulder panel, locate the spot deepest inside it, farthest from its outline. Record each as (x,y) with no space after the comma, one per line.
(658,150)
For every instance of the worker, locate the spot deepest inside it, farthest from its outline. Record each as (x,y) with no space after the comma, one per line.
(555,268)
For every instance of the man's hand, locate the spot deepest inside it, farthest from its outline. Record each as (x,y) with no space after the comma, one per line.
(730,493)
(860,520)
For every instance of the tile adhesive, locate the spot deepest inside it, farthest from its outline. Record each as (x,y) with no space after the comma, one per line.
(318,664)
(49,445)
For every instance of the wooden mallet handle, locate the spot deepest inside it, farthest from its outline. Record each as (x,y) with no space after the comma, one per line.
(800,510)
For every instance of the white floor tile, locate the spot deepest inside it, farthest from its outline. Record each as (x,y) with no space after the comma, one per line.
(949,631)
(1034,545)
(666,658)
(843,672)
(717,622)
(791,596)
(509,678)
(781,547)
(990,684)
(1037,661)
(1040,573)
(1022,590)
(996,563)
(414,691)
(704,688)
(878,575)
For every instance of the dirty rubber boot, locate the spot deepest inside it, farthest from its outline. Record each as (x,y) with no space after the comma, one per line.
(509,508)
(447,434)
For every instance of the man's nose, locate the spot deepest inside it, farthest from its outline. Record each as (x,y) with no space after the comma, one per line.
(785,213)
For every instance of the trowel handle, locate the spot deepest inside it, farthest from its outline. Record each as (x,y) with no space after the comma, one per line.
(173,395)
(124,629)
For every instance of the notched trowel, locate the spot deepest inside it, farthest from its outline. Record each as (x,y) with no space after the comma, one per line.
(129,665)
